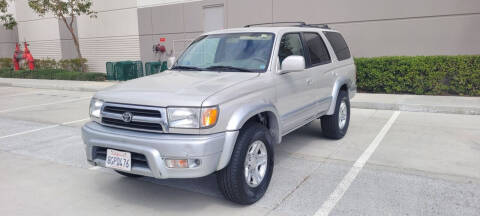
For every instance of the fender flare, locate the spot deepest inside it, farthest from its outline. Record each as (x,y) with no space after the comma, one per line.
(336,89)
(239,117)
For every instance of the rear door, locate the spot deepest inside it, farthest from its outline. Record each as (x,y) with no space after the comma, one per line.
(319,65)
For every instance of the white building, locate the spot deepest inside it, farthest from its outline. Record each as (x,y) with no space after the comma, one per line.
(127,29)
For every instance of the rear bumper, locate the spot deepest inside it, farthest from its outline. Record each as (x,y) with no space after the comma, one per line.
(157,147)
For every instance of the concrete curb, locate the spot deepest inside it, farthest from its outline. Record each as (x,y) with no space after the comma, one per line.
(69,85)
(417,108)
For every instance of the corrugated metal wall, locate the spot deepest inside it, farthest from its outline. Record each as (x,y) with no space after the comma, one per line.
(98,51)
(112,36)
(8,38)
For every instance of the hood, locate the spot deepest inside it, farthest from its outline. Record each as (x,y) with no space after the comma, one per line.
(173,88)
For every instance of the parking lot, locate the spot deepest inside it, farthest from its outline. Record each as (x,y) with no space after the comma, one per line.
(389,163)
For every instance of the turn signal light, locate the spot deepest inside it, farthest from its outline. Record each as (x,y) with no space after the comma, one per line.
(209,116)
(182,163)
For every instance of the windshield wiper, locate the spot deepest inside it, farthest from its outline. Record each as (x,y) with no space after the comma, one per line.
(179,67)
(230,68)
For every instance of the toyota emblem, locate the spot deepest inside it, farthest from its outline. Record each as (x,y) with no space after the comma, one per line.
(127,116)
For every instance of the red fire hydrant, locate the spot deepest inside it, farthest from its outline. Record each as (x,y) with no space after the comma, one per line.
(29,58)
(16,58)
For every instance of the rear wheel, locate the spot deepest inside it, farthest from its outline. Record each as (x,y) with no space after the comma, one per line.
(335,126)
(247,176)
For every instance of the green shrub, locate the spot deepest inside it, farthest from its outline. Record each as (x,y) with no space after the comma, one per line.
(431,75)
(6,63)
(47,63)
(72,64)
(56,74)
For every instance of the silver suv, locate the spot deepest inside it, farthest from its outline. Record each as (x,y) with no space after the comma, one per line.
(223,105)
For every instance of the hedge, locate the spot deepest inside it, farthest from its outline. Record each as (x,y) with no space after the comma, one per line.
(430,75)
(56,74)
(6,63)
(48,63)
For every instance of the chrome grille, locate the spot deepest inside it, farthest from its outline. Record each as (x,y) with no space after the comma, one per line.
(143,118)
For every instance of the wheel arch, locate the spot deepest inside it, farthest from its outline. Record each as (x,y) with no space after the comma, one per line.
(240,117)
(266,114)
(340,84)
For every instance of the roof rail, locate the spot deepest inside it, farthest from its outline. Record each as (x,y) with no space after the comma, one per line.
(322,25)
(273,23)
(296,24)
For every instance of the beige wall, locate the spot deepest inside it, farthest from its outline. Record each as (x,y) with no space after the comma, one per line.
(177,23)
(8,38)
(112,36)
(390,27)
(41,33)
(127,29)
(371,27)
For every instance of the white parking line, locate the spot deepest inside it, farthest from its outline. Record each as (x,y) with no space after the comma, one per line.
(43,128)
(45,104)
(343,186)
(95,168)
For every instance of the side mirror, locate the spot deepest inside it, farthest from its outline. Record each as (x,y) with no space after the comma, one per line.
(293,64)
(171,61)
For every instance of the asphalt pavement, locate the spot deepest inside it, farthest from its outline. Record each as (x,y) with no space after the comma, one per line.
(391,162)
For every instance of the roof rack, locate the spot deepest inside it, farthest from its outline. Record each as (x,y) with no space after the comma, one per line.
(296,24)
(273,23)
(322,25)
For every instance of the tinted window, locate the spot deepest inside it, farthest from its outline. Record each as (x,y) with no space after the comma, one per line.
(291,44)
(316,48)
(339,45)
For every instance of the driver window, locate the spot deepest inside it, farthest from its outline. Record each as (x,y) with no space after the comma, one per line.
(291,44)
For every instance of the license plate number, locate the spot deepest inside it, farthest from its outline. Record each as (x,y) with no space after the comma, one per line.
(118,160)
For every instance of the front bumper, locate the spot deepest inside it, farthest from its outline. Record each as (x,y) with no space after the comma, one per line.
(210,149)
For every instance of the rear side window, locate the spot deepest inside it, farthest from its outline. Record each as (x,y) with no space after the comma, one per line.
(316,48)
(339,45)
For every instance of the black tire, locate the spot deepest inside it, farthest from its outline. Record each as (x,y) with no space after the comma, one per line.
(330,123)
(231,180)
(130,175)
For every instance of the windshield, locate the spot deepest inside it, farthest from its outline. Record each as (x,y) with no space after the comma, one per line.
(243,52)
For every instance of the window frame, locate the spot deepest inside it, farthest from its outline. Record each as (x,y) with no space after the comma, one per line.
(308,60)
(271,53)
(301,42)
(333,48)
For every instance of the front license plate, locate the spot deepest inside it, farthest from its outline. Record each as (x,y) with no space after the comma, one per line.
(118,160)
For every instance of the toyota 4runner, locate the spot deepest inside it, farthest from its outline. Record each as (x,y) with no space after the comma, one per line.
(223,105)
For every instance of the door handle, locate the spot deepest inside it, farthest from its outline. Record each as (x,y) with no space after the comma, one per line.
(309,81)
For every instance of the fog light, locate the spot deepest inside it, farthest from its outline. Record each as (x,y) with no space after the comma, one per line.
(182,163)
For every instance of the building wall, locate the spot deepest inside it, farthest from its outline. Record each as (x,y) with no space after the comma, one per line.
(390,27)
(8,39)
(41,33)
(371,27)
(112,36)
(127,30)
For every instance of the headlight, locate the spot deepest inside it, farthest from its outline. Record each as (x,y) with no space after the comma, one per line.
(188,117)
(95,108)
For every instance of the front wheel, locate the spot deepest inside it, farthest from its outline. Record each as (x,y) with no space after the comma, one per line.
(335,126)
(246,178)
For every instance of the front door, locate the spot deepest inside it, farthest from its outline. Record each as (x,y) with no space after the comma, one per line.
(295,92)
